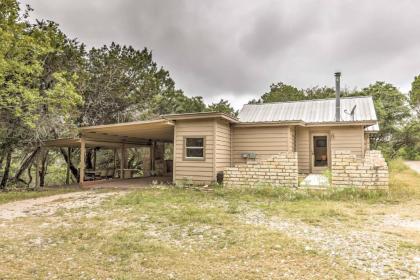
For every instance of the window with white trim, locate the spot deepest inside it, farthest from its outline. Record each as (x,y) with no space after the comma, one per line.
(194,148)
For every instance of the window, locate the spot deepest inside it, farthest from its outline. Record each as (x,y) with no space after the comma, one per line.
(194,148)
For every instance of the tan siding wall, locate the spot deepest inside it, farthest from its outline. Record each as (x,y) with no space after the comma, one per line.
(367,142)
(348,138)
(341,138)
(223,145)
(292,139)
(303,149)
(195,170)
(264,141)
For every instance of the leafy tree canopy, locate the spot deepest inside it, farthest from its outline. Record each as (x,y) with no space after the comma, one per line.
(25,97)
(223,106)
(281,92)
(415,94)
(391,109)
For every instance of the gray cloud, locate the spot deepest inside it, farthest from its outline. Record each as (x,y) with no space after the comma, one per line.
(236,49)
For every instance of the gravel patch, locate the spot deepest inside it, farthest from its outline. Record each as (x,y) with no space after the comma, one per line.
(368,250)
(415,165)
(45,206)
(397,221)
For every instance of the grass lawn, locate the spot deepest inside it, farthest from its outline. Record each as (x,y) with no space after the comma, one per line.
(268,233)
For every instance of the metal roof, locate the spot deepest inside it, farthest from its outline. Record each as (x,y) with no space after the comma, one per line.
(372,128)
(200,115)
(310,111)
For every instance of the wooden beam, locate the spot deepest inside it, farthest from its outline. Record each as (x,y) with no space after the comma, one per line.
(82,161)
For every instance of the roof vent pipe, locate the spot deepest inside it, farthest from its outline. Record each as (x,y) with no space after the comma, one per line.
(337,96)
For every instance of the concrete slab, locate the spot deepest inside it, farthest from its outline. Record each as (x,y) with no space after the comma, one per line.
(315,181)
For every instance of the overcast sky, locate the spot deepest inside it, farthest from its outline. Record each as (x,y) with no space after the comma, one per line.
(236,49)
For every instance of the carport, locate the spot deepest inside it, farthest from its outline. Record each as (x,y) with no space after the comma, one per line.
(153,134)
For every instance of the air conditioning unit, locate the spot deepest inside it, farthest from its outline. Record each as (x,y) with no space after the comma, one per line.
(249,155)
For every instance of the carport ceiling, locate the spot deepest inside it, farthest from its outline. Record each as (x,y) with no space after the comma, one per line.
(161,129)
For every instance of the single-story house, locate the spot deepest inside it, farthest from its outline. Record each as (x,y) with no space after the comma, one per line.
(271,142)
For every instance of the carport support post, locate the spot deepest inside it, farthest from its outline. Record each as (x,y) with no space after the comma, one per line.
(115,161)
(122,161)
(68,166)
(82,161)
(94,159)
(152,158)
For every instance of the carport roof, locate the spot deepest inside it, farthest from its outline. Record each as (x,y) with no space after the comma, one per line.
(160,129)
(76,143)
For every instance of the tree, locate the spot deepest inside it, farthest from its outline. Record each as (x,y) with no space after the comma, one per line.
(415,94)
(392,112)
(408,144)
(320,93)
(24,98)
(281,92)
(223,106)
(120,84)
(174,102)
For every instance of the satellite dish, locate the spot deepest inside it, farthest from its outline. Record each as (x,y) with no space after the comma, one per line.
(351,112)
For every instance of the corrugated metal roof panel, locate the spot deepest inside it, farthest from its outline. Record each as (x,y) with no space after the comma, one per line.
(310,111)
(372,128)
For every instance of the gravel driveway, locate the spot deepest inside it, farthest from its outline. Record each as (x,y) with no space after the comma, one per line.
(50,204)
(371,249)
(413,164)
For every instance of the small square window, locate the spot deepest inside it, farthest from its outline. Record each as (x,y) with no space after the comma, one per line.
(194,148)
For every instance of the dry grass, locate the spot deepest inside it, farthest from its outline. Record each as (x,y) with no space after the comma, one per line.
(187,234)
(351,205)
(158,234)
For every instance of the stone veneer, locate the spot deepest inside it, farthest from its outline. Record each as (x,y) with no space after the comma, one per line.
(349,170)
(278,170)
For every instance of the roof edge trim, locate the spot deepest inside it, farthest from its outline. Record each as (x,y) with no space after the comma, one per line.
(200,115)
(125,124)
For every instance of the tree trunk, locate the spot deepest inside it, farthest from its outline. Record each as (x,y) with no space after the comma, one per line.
(73,169)
(1,159)
(43,170)
(29,175)
(89,153)
(5,178)
(26,163)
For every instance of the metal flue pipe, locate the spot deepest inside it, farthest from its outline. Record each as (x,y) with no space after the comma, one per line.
(337,96)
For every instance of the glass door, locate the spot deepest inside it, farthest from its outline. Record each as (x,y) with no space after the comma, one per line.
(320,151)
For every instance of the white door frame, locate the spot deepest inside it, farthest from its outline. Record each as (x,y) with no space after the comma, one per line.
(314,168)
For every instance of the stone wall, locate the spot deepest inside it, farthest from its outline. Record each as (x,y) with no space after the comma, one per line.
(278,170)
(349,170)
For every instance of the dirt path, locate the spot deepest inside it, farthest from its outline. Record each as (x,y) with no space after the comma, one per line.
(50,204)
(415,165)
(370,249)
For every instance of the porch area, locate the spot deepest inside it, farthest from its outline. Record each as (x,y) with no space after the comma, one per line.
(142,149)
